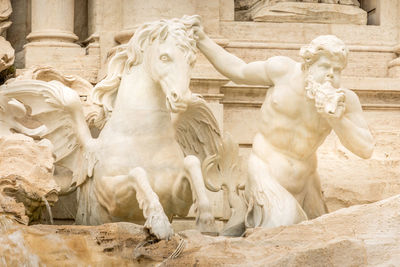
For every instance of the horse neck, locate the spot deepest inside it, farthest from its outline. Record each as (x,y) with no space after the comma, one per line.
(138,91)
(140,103)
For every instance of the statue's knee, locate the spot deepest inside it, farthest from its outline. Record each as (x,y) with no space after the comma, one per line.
(191,161)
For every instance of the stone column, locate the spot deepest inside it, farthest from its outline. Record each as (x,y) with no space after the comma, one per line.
(94,27)
(53,22)
(51,41)
(94,20)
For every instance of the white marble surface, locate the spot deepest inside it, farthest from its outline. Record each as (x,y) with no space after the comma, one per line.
(303,105)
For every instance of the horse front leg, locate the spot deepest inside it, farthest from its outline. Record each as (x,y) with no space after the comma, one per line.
(117,195)
(204,218)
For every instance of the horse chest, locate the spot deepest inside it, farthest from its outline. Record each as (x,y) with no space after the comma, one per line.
(120,154)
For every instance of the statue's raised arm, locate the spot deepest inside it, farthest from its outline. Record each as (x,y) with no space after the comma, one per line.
(230,65)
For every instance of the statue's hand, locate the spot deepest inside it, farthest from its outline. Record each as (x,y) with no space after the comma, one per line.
(199,33)
(340,108)
(329,101)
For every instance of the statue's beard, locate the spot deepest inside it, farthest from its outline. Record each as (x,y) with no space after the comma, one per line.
(328,99)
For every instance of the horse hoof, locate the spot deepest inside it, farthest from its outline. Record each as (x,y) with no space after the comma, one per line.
(159,226)
(206,223)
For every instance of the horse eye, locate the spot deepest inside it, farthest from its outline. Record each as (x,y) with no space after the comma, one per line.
(165,57)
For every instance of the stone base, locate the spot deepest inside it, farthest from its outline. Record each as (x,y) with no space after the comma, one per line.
(310,13)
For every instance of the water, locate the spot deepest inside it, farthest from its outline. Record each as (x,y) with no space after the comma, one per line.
(48,209)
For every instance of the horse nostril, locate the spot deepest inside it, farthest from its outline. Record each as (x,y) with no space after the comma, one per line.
(174,96)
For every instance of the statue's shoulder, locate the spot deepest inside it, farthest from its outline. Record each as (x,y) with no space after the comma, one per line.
(352,99)
(279,66)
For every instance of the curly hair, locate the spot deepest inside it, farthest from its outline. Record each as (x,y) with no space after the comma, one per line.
(328,45)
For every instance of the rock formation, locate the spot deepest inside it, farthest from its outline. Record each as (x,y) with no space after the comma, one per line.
(366,235)
(6,51)
(26,178)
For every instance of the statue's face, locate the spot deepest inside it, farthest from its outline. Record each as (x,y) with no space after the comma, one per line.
(327,69)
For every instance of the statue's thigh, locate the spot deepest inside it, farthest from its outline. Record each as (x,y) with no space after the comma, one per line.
(257,171)
(259,178)
(314,202)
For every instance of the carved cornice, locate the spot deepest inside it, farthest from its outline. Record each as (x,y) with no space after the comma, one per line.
(374,93)
(297,46)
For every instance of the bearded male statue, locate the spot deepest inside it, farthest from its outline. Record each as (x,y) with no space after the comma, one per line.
(303,105)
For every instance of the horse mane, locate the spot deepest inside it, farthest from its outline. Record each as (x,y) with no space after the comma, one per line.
(131,54)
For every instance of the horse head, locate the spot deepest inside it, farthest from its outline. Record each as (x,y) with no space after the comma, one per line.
(169,60)
(166,49)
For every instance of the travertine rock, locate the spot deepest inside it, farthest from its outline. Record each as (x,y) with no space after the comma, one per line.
(367,235)
(6,51)
(26,177)
(44,245)
(347,180)
(6,54)
(5,12)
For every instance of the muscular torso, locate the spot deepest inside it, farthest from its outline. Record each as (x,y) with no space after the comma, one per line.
(289,119)
(290,131)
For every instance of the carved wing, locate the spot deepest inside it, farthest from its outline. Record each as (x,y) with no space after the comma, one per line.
(53,111)
(198,134)
(197,130)
(95,116)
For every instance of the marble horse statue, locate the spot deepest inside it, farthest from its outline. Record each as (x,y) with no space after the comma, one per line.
(157,138)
